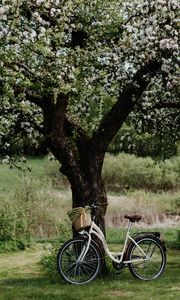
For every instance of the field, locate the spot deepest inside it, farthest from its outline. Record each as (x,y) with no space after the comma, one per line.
(33,208)
(22,277)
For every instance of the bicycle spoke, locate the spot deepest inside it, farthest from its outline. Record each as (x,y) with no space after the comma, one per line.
(151,268)
(79,271)
(86,270)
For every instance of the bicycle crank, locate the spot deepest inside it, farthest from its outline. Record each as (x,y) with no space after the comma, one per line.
(118,266)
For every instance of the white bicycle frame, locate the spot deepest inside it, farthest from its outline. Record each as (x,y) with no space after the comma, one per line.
(94,229)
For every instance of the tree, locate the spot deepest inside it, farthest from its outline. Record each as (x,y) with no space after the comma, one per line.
(63,63)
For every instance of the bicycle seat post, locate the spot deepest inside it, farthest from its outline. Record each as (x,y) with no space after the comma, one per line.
(129,226)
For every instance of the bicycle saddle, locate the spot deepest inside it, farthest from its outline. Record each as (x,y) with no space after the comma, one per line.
(133,218)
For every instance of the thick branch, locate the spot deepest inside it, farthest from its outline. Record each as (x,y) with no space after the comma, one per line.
(59,112)
(30,96)
(34,98)
(115,118)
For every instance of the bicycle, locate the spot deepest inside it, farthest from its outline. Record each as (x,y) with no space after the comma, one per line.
(79,260)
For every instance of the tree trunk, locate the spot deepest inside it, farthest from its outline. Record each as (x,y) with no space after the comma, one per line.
(88,188)
(91,193)
(80,161)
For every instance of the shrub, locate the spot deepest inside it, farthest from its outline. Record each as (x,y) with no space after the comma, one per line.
(14,233)
(39,208)
(126,171)
(7,223)
(170,173)
(130,172)
(33,212)
(49,262)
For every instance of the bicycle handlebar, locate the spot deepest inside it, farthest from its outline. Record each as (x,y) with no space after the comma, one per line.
(98,205)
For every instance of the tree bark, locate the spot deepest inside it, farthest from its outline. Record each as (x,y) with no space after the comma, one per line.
(88,188)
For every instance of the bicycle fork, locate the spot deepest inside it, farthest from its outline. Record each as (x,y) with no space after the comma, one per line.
(84,249)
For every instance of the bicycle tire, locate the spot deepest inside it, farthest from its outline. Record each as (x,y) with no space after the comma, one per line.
(74,272)
(154,267)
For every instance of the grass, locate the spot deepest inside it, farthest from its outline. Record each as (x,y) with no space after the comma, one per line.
(21,275)
(11,179)
(116,235)
(8,178)
(156,208)
(21,278)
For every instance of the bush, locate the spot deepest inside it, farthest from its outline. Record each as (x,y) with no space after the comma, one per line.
(7,223)
(14,233)
(170,173)
(39,208)
(126,171)
(49,262)
(33,212)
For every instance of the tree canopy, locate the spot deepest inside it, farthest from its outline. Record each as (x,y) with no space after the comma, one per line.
(90,51)
(73,71)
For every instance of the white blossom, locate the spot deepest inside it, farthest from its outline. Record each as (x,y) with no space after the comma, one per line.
(168,44)
(106,64)
(39,2)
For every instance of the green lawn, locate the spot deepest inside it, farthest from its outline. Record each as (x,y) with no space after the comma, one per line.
(21,278)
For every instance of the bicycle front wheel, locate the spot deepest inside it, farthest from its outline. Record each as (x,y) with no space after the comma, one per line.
(74,270)
(151,265)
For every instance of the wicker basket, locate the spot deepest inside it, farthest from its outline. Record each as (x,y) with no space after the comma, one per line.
(80,217)
(83,221)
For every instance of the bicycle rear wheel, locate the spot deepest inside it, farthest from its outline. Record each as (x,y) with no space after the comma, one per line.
(74,271)
(153,267)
